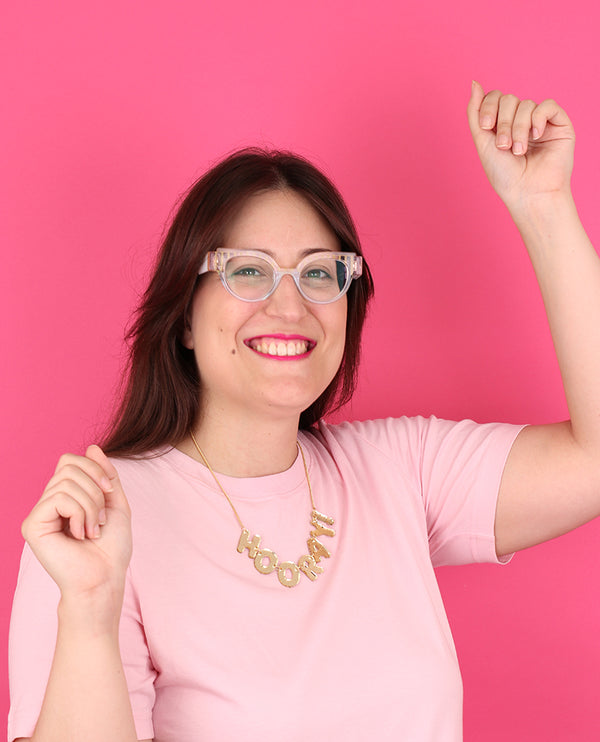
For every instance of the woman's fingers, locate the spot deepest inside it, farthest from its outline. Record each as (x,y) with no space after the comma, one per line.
(76,475)
(507,109)
(69,490)
(522,129)
(488,111)
(114,496)
(515,123)
(94,469)
(85,482)
(504,115)
(540,139)
(78,496)
(547,112)
(57,513)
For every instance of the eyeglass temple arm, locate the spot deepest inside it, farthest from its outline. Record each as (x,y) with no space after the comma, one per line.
(210,263)
(356,266)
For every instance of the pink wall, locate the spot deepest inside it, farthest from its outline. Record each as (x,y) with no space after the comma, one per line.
(111,109)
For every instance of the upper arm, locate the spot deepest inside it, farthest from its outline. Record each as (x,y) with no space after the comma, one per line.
(550,485)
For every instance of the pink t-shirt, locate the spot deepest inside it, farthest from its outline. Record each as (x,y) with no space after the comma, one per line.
(216,652)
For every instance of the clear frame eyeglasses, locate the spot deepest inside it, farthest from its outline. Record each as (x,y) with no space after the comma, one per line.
(251,275)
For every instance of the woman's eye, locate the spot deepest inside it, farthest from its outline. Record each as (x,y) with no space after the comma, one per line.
(317,274)
(247,271)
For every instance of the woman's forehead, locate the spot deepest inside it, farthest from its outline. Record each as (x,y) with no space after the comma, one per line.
(277,220)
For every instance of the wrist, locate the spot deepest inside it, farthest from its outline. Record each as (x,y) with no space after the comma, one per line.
(94,612)
(542,207)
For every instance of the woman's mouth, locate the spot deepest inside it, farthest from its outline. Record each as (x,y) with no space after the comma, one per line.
(281,346)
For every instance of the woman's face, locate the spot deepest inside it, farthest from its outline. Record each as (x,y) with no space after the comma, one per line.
(234,341)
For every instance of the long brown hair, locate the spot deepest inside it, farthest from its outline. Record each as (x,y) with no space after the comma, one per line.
(161,388)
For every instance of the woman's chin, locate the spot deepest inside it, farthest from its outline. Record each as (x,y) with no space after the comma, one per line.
(288,399)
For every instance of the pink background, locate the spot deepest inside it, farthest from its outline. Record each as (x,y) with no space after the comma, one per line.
(110,111)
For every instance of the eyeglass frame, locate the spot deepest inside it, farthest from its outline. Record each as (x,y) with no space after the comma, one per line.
(216,260)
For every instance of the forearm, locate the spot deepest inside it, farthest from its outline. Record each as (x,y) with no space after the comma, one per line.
(86,697)
(568,271)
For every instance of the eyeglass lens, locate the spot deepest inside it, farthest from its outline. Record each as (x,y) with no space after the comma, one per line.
(252,278)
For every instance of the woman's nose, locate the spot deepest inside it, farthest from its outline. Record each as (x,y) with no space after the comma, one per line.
(286,300)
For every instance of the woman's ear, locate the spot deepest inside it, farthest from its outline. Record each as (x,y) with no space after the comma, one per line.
(187,338)
(185,334)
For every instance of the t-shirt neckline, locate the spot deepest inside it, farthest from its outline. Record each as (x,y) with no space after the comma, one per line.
(241,487)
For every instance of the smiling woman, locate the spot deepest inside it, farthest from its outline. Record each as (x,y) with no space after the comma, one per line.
(137,613)
(264,332)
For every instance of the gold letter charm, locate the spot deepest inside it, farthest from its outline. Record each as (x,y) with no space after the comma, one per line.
(309,567)
(252,546)
(265,569)
(293,579)
(316,549)
(316,515)
(320,530)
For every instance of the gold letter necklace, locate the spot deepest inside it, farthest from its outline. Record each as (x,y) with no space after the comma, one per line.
(266,560)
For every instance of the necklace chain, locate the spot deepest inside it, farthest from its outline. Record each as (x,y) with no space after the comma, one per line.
(266,560)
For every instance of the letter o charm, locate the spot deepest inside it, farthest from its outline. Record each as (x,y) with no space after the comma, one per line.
(265,569)
(293,579)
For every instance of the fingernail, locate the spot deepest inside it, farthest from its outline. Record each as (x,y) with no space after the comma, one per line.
(486,122)
(517,148)
(102,516)
(106,485)
(502,141)
(96,531)
(536,133)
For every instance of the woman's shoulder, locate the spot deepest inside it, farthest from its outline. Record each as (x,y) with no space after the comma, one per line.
(393,435)
(381,437)
(373,430)
(152,471)
(142,464)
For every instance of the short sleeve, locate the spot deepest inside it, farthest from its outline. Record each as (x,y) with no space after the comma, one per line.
(461,466)
(450,471)
(32,641)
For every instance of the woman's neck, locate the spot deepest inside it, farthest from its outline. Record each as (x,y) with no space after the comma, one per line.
(244,447)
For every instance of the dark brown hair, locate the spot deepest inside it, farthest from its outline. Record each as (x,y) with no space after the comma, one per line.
(161,389)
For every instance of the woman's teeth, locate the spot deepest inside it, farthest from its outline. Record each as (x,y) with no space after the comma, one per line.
(278,347)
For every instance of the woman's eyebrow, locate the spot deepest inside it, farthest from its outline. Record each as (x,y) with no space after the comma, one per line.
(303,253)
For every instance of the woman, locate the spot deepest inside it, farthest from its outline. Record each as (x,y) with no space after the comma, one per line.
(330,622)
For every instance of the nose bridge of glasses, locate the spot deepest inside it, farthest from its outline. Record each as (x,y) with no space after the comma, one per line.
(285,298)
(291,273)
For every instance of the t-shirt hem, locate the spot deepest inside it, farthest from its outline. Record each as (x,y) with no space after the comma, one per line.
(144,727)
(483,543)
(19,724)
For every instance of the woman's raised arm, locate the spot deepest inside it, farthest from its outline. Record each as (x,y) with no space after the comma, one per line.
(80,531)
(551,482)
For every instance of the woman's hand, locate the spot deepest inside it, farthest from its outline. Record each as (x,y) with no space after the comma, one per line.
(526,149)
(80,530)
